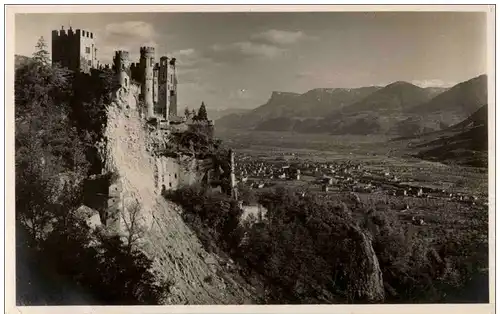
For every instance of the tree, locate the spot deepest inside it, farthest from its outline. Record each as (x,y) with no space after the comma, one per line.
(59,116)
(202,113)
(134,229)
(187,113)
(42,54)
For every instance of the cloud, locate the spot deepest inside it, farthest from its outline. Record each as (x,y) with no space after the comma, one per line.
(433,83)
(267,45)
(279,37)
(185,52)
(128,36)
(240,51)
(131,28)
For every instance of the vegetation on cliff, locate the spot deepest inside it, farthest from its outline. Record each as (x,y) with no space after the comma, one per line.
(312,249)
(59,117)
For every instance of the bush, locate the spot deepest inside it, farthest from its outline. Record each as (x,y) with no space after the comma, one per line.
(214,216)
(64,269)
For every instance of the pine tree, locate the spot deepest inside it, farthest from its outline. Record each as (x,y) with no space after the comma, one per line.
(202,112)
(187,113)
(41,54)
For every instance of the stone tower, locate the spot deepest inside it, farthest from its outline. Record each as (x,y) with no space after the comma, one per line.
(74,49)
(121,65)
(167,88)
(172,88)
(163,99)
(147,63)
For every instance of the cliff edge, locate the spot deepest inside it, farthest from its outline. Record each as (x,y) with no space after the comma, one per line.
(197,276)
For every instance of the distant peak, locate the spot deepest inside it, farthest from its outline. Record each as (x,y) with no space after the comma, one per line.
(278,94)
(401,83)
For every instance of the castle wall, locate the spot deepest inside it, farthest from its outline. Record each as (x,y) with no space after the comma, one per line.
(174,173)
(137,72)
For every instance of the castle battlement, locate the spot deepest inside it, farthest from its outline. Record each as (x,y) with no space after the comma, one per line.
(121,54)
(147,51)
(72,33)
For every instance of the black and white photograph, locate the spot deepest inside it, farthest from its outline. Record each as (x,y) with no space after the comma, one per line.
(252,157)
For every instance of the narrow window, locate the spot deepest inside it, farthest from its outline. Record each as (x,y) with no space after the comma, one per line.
(89,62)
(87,49)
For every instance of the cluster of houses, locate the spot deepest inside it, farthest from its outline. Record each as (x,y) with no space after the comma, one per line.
(345,176)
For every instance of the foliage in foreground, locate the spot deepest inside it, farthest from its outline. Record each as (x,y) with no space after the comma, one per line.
(305,250)
(59,117)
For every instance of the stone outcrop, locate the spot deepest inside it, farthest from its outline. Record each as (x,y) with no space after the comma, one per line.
(177,253)
(365,277)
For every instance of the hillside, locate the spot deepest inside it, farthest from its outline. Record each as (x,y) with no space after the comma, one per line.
(20,60)
(215,114)
(292,106)
(464,143)
(457,103)
(379,112)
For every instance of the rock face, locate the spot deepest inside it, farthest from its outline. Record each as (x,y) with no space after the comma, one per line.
(366,284)
(177,253)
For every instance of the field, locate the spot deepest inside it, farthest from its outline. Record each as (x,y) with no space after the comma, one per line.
(441,214)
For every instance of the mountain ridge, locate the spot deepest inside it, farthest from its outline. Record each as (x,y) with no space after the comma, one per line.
(400,109)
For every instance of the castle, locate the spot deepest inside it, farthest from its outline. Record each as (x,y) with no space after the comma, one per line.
(77,51)
(158,82)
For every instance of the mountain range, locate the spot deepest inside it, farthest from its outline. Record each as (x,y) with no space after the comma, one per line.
(398,109)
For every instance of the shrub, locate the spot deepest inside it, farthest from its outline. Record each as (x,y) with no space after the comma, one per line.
(214,216)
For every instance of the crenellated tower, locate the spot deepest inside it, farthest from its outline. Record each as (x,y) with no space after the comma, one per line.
(74,49)
(147,63)
(121,66)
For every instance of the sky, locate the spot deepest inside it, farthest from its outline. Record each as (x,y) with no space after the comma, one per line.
(236,60)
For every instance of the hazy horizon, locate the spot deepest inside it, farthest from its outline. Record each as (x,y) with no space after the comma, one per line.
(235,60)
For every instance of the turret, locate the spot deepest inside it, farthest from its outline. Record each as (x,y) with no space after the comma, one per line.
(121,65)
(147,64)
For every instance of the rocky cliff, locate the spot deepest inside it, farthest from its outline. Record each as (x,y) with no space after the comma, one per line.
(198,277)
